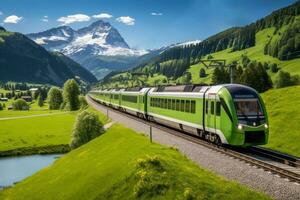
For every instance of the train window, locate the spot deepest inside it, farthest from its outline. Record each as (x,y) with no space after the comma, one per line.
(182,106)
(206,107)
(193,106)
(212,107)
(161,105)
(187,106)
(169,104)
(173,104)
(218,108)
(166,103)
(151,102)
(177,105)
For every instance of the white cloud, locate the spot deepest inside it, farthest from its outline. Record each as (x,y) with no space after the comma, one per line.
(45,19)
(13,19)
(73,18)
(156,14)
(126,20)
(103,16)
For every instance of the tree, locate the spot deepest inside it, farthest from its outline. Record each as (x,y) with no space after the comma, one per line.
(1,107)
(220,76)
(284,79)
(55,98)
(87,127)
(40,101)
(202,73)
(256,77)
(71,94)
(274,68)
(19,104)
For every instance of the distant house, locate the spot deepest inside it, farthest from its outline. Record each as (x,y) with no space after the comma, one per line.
(33,90)
(4,99)
(27,98)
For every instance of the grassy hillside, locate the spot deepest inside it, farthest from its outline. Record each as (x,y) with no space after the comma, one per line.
(124,165)
(283,106)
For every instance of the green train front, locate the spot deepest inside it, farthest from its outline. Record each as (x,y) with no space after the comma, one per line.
(242,118)
(228,114)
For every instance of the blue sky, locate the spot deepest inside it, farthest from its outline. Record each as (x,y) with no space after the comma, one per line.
(174,20)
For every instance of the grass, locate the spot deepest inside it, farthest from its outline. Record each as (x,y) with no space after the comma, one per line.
(283,107)
(33,134)
(124,165)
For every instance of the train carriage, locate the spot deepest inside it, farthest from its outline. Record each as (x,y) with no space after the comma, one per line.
(225,114)
(115,98)
(133,101)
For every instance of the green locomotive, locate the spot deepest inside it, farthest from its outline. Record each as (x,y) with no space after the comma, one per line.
(224,114)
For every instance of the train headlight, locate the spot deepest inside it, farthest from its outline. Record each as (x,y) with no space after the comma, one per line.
(266,126)
(240,126)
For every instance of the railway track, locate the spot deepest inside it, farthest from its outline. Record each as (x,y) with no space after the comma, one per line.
(284,165)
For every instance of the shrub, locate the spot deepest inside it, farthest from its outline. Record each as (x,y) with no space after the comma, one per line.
(274,68)
(1,107)
(188,194)
(151,177)
(55,98)
(20,104)
(87,127)
(83,103)
(40,101)
(284,79)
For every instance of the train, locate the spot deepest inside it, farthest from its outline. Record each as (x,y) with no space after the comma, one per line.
(227,114)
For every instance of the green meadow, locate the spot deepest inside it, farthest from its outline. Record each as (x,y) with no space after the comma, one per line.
(283,107)
(38,128)
(122,164)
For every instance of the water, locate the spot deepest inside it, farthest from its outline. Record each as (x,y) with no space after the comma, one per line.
(15,169)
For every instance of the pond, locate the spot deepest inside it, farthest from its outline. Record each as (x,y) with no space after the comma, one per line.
(15,169)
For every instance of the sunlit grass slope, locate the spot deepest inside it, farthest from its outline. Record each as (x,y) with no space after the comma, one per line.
(124,165)
(254,53)
(283,107)
(37,131)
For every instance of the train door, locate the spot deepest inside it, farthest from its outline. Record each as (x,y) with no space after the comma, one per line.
(212,111)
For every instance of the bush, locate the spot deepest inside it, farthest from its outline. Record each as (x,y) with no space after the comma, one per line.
(151,177)
(284,79)
(55,98)
(87,127)
(40,101)
(83,103)
(20,104)
(274,68)
(1,107)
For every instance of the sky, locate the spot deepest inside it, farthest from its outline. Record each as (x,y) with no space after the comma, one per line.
(144,24)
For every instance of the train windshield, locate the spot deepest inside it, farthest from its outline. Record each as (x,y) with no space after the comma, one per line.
(249,112)
(248,107)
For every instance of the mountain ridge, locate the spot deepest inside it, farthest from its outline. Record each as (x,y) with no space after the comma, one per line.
(23,60)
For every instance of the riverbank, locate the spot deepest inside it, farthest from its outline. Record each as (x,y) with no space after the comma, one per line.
(51,149)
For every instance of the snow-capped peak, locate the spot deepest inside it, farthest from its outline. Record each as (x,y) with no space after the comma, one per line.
(100,38)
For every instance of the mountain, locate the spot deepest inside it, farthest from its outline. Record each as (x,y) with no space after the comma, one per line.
(98,47)
(22,60)
(271,41)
